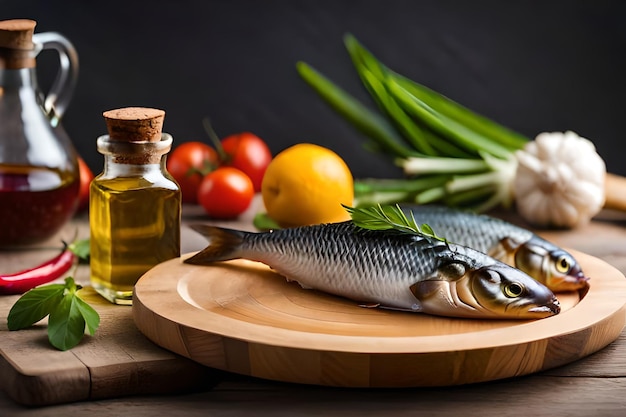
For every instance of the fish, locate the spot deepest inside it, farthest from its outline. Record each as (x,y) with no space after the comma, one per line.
(514,245)
(386,269)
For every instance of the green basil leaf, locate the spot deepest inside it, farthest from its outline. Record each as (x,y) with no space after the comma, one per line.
(263,222)
(34,305)
(71,286)
(91,316)
(66,325)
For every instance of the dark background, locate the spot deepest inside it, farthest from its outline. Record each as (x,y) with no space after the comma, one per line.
(532,65)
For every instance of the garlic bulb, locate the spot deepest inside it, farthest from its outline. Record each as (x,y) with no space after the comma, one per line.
(559,180)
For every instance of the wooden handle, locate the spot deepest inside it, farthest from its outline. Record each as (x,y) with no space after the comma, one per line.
(615,191)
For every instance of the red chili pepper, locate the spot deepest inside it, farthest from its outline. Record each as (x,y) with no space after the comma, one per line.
(22,281)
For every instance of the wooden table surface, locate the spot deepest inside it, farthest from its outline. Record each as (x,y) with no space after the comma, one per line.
(593,386)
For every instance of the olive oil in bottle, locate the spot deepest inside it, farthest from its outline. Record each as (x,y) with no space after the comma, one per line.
(135,204)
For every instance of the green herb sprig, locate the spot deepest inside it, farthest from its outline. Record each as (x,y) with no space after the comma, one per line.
(389,217)
(69,314)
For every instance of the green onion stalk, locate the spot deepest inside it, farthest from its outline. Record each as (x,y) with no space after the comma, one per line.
(449,154)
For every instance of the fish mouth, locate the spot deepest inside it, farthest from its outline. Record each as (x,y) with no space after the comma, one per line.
(570,283)
(578,278)
(550,309)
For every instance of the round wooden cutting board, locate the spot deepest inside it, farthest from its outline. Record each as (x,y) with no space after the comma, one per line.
(241,317)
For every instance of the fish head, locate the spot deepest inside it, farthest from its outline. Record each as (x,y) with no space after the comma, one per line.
(496,290)
(550,265)
(510,293)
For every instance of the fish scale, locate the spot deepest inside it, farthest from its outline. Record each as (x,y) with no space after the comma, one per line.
(478,231)
(339,251)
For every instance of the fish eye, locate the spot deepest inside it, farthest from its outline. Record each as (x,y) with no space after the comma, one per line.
(562,264)
(513,289)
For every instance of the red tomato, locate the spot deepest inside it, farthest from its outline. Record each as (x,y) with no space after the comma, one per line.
(85,176)
(249,153)
(186,164)
(225,193)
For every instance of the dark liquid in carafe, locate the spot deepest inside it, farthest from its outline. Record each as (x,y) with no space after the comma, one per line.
(35,202)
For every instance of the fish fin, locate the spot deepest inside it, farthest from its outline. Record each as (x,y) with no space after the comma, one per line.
(415,308)
(510,244)
(369,305)
(505,249)
(424,289)
(223,244)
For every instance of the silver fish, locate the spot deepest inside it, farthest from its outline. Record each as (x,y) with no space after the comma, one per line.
(547,263)
(387,269)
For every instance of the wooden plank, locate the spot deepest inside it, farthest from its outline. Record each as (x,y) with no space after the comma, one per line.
(537,395)
(34,374)
(117,361)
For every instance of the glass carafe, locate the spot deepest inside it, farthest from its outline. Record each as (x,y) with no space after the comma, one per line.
(39,177)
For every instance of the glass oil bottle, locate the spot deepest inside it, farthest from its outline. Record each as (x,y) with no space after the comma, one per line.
(135,204)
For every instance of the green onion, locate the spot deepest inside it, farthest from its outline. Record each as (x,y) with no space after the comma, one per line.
(390,190)
(449,154)
(415,134)
(419,165)
(436,101)
(371,124)
(461,114)
(457,133)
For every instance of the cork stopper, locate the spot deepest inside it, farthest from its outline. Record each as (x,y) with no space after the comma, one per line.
(16,43)
(17,34)
(134,124)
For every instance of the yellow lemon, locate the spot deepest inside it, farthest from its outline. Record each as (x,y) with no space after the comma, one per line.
(307,184)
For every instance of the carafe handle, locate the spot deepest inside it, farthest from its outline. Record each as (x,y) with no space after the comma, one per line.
(56,101)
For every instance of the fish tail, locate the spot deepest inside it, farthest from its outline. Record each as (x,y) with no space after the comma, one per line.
(223,244)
